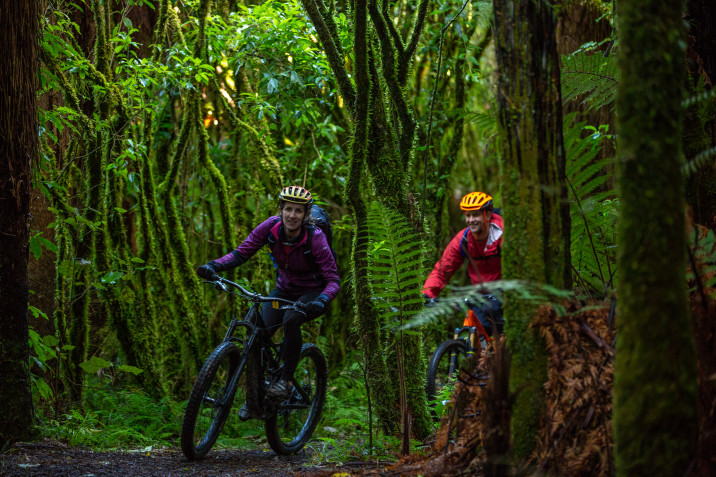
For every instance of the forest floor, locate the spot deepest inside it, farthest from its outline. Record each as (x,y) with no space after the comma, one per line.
(55,458)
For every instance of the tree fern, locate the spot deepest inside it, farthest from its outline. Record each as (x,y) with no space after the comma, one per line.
(698,161)
(395,266)
(704,96)
(702,254)
(592,210)
(591,76)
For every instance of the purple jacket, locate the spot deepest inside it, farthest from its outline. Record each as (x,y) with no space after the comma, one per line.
(294,274)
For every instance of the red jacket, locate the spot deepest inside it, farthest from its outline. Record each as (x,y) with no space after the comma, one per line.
(485,262)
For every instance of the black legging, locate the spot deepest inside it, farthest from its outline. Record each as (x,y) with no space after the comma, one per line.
(292,321)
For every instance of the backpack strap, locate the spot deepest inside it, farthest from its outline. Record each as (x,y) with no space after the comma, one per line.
(308,246)
(272,238)
(308,255)
(464,249)
(463,243)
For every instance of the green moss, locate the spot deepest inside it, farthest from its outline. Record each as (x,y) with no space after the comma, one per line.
(69,94)
(655,421)
(217,179)
(187,122)
(422,425)
(537,232)
(267,159)
(101,45)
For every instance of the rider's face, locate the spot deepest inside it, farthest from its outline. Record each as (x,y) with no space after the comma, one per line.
(477,221)
(292,216)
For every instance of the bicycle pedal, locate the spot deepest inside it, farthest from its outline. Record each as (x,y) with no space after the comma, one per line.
(245,414)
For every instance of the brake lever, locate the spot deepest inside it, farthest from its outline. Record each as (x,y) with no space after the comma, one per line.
(295,307)
(219,285)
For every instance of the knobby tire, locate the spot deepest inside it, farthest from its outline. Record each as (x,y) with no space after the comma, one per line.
(210,401)
(442,368)
(291,427)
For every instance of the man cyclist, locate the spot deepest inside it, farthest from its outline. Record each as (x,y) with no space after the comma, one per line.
(481,244)
(306,275)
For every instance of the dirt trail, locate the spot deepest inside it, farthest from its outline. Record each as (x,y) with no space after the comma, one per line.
(52,458)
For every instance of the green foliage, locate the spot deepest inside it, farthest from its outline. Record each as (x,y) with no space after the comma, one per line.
(704,96)
(118,419)
(344,431)
(700,160)
(116,416)
(534,293)
(339,451)
(43,357)
(593,208)
(590,76)
(442,400)
(395,265)
(702,101)
(38,242)
(702,251)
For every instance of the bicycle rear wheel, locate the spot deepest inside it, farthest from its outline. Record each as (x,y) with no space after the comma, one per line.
(290,428)
(210,401)
(444,367)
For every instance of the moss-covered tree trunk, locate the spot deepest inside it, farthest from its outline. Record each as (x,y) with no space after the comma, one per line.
(367,321)
(535,206)
(19,24)
(389,122)
(655,422)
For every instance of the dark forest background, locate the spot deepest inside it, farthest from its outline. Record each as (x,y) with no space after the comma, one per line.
(165,130)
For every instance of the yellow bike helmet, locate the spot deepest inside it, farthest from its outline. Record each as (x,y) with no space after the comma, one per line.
(296,195)
(476,201)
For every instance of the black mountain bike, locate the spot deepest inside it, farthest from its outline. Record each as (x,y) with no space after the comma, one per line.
(247,363)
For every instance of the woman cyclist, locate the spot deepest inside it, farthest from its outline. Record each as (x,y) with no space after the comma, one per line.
(481,244)
(308,275)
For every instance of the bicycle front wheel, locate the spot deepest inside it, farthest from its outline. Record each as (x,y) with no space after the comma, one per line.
(290,428)
(444,367)
(210,401)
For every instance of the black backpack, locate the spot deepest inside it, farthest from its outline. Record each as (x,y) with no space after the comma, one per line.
(319,218)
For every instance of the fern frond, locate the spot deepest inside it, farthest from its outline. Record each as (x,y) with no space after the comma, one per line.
(536,293)
(703,251)
(485,122)
(701,97)
(698,161)
(395,265)
(593,76)
(593,214)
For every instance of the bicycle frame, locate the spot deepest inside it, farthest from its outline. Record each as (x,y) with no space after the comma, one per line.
(254,396)
(475,331)
(289,422)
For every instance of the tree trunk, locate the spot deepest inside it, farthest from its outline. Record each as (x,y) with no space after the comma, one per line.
(537,229)
(655,422)
(387,157)
(19,24)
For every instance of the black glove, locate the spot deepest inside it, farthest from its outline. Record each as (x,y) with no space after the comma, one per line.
(207,271)
(316,307)
(428,300)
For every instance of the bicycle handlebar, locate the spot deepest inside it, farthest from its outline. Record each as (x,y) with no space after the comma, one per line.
(468,302)
(221,282)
